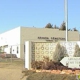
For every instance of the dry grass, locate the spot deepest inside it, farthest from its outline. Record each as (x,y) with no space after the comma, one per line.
(49,76)
(11,71)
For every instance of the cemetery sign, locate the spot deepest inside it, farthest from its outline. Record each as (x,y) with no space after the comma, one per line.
(71,62)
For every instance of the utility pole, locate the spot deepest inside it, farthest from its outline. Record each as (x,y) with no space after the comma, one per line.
(66,17)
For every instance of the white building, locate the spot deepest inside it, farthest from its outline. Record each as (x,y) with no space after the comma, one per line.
(13,41)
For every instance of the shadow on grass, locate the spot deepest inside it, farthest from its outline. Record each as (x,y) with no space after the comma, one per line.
(33,75)
(49,76)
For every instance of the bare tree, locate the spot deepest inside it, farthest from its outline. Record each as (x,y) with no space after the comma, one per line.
(55,27)
(49,25)
(63,26)
(74,29)
(69,29)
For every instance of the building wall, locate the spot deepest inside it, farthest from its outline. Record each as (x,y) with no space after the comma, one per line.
(12,39)
(17,37)
(32,34)
(73,36)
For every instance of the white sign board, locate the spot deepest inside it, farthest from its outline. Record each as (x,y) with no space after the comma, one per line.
(71,62)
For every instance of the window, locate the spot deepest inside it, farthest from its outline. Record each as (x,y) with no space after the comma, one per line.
(17,50)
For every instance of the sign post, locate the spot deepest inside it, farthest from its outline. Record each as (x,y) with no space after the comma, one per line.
(71,62)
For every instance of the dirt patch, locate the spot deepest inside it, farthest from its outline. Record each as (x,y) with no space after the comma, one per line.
(11,71)
(10,74)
